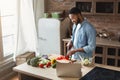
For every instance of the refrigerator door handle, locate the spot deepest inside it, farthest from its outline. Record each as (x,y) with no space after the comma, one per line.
(41,38)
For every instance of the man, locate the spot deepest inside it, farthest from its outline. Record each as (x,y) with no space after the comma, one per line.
(83,41)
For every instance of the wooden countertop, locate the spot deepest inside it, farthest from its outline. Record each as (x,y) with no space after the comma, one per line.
(45,74)
(50,73)
(101,41)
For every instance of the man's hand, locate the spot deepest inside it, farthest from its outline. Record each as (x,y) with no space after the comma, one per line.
(71,52)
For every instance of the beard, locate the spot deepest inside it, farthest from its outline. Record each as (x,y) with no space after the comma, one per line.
(78,21)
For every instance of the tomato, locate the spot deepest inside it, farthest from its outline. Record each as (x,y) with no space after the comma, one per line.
(67,57)
(58,58)
(41,65)
(48,64)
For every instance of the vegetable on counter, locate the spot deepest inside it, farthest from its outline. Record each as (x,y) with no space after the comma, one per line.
(44,61)
(33,61)
(87,62)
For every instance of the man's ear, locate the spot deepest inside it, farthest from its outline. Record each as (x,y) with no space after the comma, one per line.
(79,15)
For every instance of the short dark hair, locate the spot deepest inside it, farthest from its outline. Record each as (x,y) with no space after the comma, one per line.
(75,10)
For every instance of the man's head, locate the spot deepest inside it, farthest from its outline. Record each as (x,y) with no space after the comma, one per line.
(75,15)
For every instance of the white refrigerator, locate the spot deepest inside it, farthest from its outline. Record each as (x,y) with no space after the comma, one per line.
(50,34)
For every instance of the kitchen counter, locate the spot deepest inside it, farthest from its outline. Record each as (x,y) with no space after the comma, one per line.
(37,73)
(50,73)
(101,41)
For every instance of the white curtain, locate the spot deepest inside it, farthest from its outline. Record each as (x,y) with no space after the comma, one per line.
(26,32)
(38,6)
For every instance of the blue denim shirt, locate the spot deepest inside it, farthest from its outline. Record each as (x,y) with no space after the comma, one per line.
(85,38)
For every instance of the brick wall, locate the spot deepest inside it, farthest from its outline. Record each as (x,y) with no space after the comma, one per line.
(52,5)
(111,23)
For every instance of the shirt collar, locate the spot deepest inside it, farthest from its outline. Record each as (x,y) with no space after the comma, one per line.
(85,20)
(79,25)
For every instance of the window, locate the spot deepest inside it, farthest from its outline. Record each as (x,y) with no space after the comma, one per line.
(84,6)
(8,14)
(104,7)
(119,7)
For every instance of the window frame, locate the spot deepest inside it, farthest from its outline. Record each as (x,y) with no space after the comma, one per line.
(1,47)
(10,56)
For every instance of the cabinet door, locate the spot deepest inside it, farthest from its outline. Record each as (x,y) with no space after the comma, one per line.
(118,7)
(118,52)
(118,58)
(118,63)
(99,54)
(111,51)
(108,55)
(111,56)
(105,7)
(86,6)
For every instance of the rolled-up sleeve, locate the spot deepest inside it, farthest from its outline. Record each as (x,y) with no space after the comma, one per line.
(91,42)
